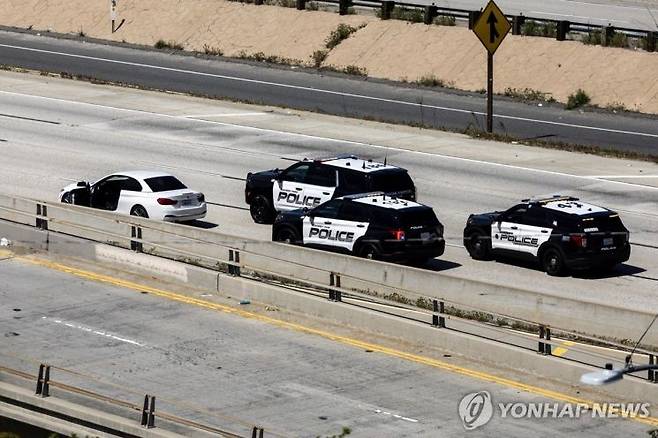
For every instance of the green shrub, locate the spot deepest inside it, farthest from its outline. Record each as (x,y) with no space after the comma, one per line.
(528,94)
(430,81)
(532,28)
(593,38)
(312,6)
(318,57)
(162,44)
(341,33)
(578,99)
(445,20)
(414,15)
(355,70)
(213,51)
(619,40)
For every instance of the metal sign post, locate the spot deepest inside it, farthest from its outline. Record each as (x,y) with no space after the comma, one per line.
(113,12)
(491,28)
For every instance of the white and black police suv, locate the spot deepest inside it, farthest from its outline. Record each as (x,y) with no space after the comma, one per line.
(309,183)
(371,225)
(560,232)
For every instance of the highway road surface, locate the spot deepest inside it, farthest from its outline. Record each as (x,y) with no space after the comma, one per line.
(328,93)
(230,369)
(56,131)
(635,15)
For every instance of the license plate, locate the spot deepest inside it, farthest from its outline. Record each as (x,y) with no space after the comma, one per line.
(608,241)
(186,202)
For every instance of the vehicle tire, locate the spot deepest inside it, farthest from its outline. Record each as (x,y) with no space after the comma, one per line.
(261,210)
(552,262)
(287,235)
(139,211)
(369,251)
(67,198)
(479,246)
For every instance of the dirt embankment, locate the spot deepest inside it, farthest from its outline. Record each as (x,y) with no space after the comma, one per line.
(385,49)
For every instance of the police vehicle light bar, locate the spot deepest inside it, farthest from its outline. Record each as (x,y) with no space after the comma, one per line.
(550,199)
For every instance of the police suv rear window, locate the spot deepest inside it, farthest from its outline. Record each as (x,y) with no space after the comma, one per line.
(390,181)
(417,216)
(164,184)
(602,224)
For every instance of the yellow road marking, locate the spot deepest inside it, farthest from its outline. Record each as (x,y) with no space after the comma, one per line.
(652,421)
(559,351)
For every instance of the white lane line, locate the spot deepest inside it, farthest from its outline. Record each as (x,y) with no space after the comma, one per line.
(93,331)
(195,116)
(578,16)
(337,140)
(320,90)
(399,417)
(624,176)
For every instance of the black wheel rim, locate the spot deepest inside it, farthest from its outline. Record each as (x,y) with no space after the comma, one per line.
(259,211)
(552,262)
(286,237)
(140,212)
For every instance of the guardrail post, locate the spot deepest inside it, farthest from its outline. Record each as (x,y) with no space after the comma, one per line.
(431,12)
(517,24)
(301,5)
(438,320)
(43,381)
(606,35)
(148,411)
(42,210)
(472,18)
(136,233)
(234,257)
(334,279)
(651,375)
(541,347)
(651,41)
(343,6)
(563,28)
(548,347)
(387,9)
(257,432)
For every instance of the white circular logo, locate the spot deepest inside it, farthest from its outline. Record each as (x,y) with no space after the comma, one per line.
(475,409)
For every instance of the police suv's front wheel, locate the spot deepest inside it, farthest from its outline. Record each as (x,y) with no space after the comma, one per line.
(286,235)
(479,246)
(553,262)
(261,210)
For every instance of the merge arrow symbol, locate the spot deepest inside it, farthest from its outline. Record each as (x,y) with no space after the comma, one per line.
(493,32)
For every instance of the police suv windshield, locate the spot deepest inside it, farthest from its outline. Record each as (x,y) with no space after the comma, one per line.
(390,181)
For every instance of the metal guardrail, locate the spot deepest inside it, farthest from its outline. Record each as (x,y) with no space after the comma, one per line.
(146,412)
(430,12)
(295,267)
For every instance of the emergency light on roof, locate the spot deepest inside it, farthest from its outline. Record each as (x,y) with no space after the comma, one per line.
(550,199)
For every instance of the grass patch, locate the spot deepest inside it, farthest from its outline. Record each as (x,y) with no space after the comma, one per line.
(272,59)
(355,70)
(619,40)
(528,94)
(532,28)
(282,3)
(414,15)
(312,6)
(162,44)
(616,107)
(212,51)
(445,20)
(318,57)
(577,99)
(338,35)
(82,33)
(430,81)
(593,38)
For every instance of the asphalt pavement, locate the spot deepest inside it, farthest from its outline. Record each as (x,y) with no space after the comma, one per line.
(59,131)
(226,370)
(328,93)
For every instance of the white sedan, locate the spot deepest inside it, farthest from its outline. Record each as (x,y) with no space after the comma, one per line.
(150,194)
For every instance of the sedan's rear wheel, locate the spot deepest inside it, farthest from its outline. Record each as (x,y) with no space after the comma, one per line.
(139,211)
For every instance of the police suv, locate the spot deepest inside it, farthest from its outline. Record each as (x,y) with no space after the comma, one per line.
(309,183)
(372,225)
(560,232)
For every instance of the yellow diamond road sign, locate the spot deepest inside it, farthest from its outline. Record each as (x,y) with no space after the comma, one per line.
(492,27)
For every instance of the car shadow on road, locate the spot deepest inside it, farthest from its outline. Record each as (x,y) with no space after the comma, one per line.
(202,224)
(622,270)
(438,265)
